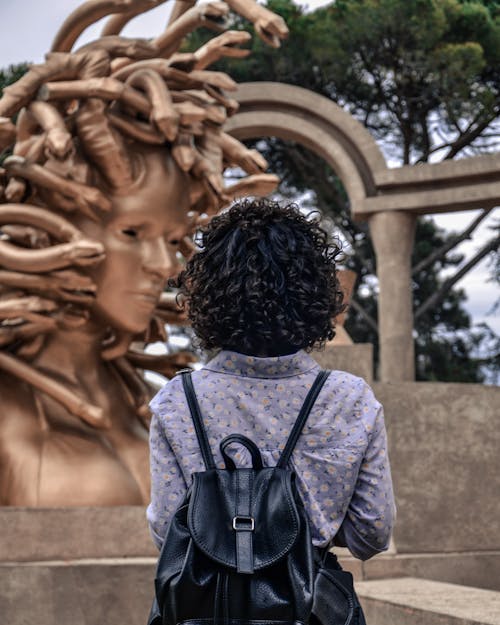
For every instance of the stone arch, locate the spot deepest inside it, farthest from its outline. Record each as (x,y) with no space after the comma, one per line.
(390,199)
(289,112)
(294,113)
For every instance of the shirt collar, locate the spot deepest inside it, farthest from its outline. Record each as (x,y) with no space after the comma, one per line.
(257,367)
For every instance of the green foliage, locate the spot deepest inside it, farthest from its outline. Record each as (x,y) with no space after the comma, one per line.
(7,77)
(472,356)
(11,74)
(424,62)
(422,75)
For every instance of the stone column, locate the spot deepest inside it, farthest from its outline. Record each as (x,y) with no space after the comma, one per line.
(392,234)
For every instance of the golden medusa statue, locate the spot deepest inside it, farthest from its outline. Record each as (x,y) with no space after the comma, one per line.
(116,156)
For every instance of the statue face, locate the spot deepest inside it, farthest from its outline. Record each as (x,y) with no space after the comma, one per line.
(140,237)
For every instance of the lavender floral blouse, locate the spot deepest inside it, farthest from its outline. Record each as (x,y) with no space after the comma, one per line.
(341,461)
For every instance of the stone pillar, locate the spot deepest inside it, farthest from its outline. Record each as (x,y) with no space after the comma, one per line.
(392,234)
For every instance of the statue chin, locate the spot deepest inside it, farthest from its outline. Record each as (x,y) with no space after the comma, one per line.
(135,323)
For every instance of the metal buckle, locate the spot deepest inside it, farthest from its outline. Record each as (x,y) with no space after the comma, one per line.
(248,523)
(185,370)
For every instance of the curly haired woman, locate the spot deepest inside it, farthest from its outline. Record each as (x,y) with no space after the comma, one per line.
(263,291)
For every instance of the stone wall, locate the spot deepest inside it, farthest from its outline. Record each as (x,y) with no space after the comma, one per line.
(444,442)
(356,359)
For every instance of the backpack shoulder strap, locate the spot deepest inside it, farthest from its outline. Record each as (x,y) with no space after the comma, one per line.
(302,418)
(194,408)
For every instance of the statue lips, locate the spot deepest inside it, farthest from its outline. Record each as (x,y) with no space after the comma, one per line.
(149,296)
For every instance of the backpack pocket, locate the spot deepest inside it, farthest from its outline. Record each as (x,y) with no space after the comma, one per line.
(334,601)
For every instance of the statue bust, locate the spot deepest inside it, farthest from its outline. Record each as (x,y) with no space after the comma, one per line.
(117,155)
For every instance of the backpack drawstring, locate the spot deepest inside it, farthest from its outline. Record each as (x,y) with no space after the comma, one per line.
(226,599)
(221,599)
(218,597)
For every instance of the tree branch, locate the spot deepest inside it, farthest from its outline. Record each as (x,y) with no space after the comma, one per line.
(362,312)
(444,249)
(468,137)
(433,150)
(440,294)
(426,150)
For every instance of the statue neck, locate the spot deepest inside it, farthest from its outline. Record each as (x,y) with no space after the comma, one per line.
(73,354)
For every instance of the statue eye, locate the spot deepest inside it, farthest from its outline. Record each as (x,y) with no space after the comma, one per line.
(130,232)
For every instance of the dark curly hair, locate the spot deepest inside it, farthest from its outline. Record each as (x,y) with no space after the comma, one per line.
(264,281)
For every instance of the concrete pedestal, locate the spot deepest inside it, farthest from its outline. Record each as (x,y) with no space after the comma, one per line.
(443,448)
(356,359)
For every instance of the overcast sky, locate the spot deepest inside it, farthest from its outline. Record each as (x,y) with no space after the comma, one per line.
(27,28)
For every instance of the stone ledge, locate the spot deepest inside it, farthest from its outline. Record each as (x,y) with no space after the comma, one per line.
(110,592)
(356,359)
(476,568)
(5,566)
(40,534)
(413,601)
(119,590)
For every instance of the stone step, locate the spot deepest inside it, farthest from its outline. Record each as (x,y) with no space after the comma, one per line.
(119,590)
(414,601)
(36,534)
(40,534)
(476,568)
(109,591)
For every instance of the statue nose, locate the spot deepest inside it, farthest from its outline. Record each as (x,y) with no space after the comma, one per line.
(161,259)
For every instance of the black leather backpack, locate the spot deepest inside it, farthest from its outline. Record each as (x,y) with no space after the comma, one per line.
(238,550)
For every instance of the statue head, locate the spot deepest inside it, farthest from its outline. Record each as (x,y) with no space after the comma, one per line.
(140,235)
(116,155)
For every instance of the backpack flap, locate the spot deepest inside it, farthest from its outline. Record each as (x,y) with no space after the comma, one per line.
(245,519)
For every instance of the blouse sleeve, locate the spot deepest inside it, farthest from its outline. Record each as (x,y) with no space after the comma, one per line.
(367,526)
(168,486)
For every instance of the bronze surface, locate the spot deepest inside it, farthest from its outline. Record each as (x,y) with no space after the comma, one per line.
(116,155)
